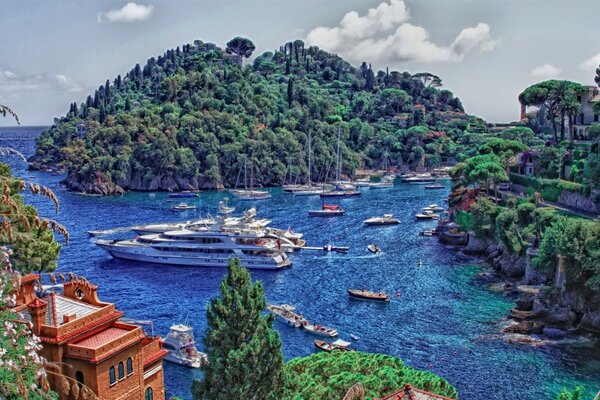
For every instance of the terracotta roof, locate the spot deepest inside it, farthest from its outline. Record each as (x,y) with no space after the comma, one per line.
(410,393)
(102,338)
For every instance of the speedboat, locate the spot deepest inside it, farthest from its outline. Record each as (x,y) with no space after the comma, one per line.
(427,215)
(428,232)
(319,329)
(205,247)
(182,347)
(285,313)
(434,186)
(387,219)
(339,344)
(367,295)
(186,194)
(373,248)
(327,211)
(433,207)
(183,207)
(224,209)
(419,178)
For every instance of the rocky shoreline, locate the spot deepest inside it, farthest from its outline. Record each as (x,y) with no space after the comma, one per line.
(545,309)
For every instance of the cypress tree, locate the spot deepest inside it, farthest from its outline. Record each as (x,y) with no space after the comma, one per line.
(244,352)
(107,91)
(290,92)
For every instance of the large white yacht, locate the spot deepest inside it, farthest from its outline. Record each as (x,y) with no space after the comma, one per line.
(201,248)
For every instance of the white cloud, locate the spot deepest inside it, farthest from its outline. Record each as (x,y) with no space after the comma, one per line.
(591,63)
(546,71)
(12,84)
(385,34)
(130,12)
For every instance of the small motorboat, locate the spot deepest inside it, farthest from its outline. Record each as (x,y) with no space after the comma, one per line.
(433,207)
(186,194)
(327,211)
(381,185)
(224,209)
(428,232)
(183,207)
(368,295)
(287,314)
(354,337)
(387,219)
(182,347)
(338,249)
(427,215)
(434,186)
(319,329)
(373,248)
(339,344)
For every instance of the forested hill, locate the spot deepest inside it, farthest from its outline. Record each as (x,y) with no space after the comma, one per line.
(189,118)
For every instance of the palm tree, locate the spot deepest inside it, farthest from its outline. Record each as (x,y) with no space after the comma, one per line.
(570,107)
(561,92)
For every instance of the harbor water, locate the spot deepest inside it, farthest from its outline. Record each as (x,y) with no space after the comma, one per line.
(441,321)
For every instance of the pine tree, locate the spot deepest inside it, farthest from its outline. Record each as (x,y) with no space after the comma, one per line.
(244,352)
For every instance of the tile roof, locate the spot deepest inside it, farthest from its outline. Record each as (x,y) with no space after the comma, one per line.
(58,306)
(100,339)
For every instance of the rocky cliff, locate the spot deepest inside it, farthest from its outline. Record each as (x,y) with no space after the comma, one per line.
(545,304)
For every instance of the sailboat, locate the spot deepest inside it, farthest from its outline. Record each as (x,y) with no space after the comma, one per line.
(249,194)
(308,190)
(340,190)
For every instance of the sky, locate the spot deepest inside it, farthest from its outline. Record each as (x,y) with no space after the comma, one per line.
(485,51)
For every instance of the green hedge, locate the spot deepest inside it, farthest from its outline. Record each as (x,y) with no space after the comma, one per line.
(550,189)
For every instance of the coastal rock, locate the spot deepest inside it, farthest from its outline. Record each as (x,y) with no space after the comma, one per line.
(591,321)
(524,328)
(521,315)
(525,304)
(476,245)
(487,278)
(554,333)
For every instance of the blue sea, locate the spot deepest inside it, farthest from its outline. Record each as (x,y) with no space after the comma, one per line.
(443,320)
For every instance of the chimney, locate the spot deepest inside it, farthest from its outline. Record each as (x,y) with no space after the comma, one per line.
(69,317)
(37,310)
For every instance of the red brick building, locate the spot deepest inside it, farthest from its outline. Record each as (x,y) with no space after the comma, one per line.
(410,393)
(83,335)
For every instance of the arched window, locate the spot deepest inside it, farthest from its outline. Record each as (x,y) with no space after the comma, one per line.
(121,370)
(79,378)
(149,395)
(129,366)
(111,376)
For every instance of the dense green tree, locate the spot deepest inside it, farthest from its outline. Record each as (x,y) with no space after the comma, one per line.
(244,352)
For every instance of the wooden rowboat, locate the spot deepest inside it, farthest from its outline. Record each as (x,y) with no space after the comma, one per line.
(367,295)
(329,347)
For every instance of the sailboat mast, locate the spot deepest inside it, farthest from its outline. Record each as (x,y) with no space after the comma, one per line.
(338,167)
(309,151)
(246,172)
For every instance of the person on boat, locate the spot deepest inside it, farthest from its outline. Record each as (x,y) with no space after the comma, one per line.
(278,243)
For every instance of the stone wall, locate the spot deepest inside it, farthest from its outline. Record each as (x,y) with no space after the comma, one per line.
(577,200)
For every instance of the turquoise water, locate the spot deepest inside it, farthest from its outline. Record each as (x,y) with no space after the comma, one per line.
(443,321)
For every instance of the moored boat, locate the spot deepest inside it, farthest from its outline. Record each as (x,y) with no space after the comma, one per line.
(327,211)
(386,219)
(339,344)
(338,249)
(186,194)
(319,329)
(434,186)
(434,208)
(428,232)
(183,207)
(427,215)
(182,347)
(368,295)
(287,314)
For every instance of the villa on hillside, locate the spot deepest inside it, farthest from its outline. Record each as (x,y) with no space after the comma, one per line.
(581,122)
(85,339)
